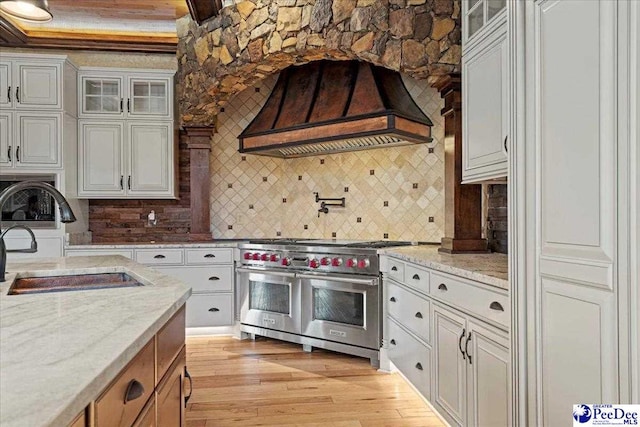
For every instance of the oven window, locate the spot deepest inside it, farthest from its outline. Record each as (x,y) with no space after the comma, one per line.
(267,296)
(338,306)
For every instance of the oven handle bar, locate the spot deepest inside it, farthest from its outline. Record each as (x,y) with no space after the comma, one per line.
(359,281)
(269,272)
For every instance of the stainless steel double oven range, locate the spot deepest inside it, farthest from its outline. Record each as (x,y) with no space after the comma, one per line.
(318,293)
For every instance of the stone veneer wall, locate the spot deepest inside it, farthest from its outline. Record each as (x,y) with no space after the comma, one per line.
(255,38)
(114,221)
(390,192)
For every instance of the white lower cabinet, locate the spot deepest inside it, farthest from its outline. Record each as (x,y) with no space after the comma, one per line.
(443,340)
(209,310)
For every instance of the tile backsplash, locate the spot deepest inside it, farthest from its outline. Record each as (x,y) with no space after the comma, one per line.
(395,193)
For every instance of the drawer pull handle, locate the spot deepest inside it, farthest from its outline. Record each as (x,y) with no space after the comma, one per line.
(134,391)
(214,278)
(394,268)
(9,94)
(18,93)
(416,277)
(187,376)
(419,315)
(214,309)
(18,154)
(159,256)
(209,256)
(496,306)
(464,331)
(392,299)
(419,366)
(466,348)
(392,342)
(9,153)
(443,287)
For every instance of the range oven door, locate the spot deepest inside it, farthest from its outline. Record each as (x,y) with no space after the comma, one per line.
(342,309)
(269,299)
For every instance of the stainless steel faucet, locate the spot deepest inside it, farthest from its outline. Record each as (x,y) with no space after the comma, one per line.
(66,215)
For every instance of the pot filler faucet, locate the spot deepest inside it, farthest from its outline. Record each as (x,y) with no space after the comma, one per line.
(66,215)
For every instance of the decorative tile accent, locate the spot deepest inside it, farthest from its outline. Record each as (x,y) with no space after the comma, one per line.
(284,200)
(358,219)
(229,227)
(229,185)
(334,234)
(395,170)
(322,161)
(415,185)
(385,236)
(431,219)
(346,189)
(385,203)
(431,150)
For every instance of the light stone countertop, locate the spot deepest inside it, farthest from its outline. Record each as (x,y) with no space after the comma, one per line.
(491,269)
(157,245)
(59,350)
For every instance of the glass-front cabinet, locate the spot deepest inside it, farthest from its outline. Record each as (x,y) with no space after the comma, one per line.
(102,96)
(148,97)
(478,13)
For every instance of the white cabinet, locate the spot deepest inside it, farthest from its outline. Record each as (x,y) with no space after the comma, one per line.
(6,139)
(485,92)
(472,375)
(131,94)
(120,159)
(31,140)
(120,156)
(31,83)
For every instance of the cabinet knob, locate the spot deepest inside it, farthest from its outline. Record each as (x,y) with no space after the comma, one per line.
(394,268)
(496,306)
(214,278)
(419,315)
(159,256)
(419,366)
(416,277)
(443,287)
(392,342)
(392,299)
(214,309)
(134,391)
(209,256)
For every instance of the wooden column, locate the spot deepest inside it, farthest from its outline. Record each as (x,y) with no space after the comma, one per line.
(463,202)
(198,141)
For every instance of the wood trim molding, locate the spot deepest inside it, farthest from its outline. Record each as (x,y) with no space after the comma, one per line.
(10,34)
(463,202)
(201,10)
(198,140)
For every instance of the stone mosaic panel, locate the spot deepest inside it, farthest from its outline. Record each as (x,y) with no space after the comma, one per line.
(395,193)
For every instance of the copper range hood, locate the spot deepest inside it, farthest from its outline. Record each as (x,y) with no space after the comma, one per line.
(335,106)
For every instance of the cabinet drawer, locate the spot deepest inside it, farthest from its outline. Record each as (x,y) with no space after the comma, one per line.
(410,309)
(479,301)
(209,256)
(411,357)
(417,278)
(95,252)
(159,256)
(110,408)
(396,270)
(170,340)
(210,310)
(203,279)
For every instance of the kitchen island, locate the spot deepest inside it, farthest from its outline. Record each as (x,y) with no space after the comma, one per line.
(60,350)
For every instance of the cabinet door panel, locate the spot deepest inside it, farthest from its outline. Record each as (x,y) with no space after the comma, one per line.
(450,368)
(100,154)
(6,90)
(39,141)
(170,396)
(149,97)
(149,151)
(485,115)
(6,139)
(489,381)
(39,86)
(101,96)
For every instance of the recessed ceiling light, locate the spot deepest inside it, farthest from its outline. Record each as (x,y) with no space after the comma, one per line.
(27,10)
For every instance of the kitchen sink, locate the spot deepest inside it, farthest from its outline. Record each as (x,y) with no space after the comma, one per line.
(80,282)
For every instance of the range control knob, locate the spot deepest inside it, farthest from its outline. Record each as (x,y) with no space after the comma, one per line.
(314,263)
(285,261)
(336,262)
(325,261)
(273,258)
(351,262)
(247,255)
(363,263)
(264,257)
(255,256)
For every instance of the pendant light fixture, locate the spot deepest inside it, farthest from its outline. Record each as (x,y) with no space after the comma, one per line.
(27,10)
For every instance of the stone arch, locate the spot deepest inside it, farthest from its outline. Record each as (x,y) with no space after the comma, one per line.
(255,38)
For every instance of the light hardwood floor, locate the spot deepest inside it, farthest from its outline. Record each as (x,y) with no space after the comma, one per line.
(273,383)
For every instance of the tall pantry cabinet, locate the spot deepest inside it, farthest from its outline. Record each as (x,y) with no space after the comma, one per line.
(575,206)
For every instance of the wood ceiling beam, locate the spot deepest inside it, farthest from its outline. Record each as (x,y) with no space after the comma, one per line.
(201,10)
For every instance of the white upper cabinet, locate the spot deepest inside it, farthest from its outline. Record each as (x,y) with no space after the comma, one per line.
(6,150)
(485,91)
(39,140)
(127,94)
(31,83)
(150,154)
(101,159)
